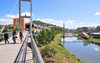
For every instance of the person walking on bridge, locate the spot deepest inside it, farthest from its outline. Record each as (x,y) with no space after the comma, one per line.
(14,36)
(21,36)
(6,37)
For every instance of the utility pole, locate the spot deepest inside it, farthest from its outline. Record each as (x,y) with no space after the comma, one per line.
(31,16)
(63,33)
(20,15)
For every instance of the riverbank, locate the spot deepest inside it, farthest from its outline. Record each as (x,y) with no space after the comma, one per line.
(56,53)
(89,39)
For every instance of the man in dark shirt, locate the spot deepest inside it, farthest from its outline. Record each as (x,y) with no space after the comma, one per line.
(6,37)
(14,36)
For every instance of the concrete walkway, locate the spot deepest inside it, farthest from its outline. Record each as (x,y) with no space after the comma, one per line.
(8,52)
(29,54)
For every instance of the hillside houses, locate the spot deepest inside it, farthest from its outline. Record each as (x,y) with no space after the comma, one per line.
(38,25)
(92,31)
(86,29)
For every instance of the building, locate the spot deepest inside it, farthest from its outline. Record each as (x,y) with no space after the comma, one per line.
(92,29)
(98,29)
(95,35)
(79,29)
(16,23)
(83,34)
(83,29)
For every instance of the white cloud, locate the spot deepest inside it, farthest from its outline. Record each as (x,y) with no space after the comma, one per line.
(52,21)
(25,13)
(70,22)
(5,20)
(10,16)
(17,15)
(89,24)
(97,13)
(58,22)
(96,49)
(82,23)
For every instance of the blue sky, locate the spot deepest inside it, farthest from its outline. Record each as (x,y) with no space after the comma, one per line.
(75,13)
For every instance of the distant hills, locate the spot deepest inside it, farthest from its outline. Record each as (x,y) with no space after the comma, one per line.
(42,23)
(36,22)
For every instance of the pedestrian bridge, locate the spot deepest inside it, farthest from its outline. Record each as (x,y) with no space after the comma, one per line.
(20,52)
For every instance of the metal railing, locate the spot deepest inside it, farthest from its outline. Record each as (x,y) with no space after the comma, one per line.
(9,34)
(35,52)
(21,56)
(2,35)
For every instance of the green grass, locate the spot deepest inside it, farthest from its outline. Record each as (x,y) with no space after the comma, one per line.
(93,40)
(75,34)
(62,55)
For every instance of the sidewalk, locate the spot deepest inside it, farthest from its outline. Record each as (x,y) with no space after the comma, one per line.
(8,52)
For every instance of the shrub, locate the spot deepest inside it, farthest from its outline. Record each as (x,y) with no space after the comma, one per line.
(1,39)
(46,36)
(48,51)
(78,59)
(61,44)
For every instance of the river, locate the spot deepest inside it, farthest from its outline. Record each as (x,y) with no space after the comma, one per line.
(87,53)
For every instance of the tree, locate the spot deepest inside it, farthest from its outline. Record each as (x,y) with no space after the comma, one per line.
(17,26)
(46,36)
(6,29)
(42,36)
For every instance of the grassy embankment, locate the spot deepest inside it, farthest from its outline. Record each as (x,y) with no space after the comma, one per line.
(89,39)
(60,54)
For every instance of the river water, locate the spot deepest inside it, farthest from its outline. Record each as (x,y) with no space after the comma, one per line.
(87,53)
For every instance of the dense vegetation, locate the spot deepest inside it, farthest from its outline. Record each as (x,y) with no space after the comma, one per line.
(1,39)
(6,29)
(59,29)
(46,36)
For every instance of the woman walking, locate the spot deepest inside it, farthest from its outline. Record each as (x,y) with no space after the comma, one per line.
(21,36)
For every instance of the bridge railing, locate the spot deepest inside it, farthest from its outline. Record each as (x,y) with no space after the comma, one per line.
(35,51)
(9,33)
(2,35)
(37,58)
(21,56)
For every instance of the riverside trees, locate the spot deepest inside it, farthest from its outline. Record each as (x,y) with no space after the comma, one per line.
(46,36)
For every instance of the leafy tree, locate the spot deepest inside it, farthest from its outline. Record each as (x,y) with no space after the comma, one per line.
(42,36)
(46,36)
(17,26)
(49,33)
(6,29)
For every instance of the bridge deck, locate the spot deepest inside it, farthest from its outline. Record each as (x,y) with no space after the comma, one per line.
(8,52)
(29,55)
